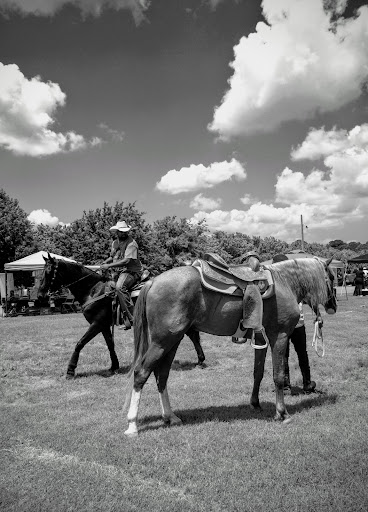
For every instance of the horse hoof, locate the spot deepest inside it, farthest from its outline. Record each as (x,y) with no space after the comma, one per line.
(172,420)
(256,407)
(286,421)
(69,376)
(131,435)
(202,365)
(113,371)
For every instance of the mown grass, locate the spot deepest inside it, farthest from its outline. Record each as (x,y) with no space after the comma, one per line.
(62,443)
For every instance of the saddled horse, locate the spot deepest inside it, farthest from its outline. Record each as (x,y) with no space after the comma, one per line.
(175,302)
(89,289)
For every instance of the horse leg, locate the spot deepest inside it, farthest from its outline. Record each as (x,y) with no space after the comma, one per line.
(106,332)
(196,340)
(258,372)
(93,330)
(278,362)
(141,374)
(162,374)
(151,360)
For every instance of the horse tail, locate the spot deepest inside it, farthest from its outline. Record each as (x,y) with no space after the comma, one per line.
(140,325)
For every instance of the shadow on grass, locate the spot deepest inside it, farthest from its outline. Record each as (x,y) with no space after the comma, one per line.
(103,373)
(237,412)
(183,366)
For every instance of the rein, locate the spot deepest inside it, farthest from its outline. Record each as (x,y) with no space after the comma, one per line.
(316,337)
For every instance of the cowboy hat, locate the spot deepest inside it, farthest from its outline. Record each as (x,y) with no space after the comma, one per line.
(121,226)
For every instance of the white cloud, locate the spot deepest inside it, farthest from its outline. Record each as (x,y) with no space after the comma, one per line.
(87,7)
(200,202)
(26,114)
(43,217)
(320,143)
(116,135)
(248,199)
(326,199)
(299,63)
(267,220)
(198,176)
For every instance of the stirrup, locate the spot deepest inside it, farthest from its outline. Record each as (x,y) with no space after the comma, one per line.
(264,335)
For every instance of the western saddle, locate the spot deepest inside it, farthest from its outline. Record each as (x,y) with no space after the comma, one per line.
(248,280)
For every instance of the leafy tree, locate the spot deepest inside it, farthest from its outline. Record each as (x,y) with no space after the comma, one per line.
(15,230)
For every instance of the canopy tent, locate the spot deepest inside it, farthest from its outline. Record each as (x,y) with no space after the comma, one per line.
(363,258)
(32,262)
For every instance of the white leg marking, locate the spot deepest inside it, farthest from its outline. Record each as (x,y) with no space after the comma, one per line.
(132,429)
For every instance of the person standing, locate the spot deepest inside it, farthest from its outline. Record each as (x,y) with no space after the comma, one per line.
(359,281)
(124,259)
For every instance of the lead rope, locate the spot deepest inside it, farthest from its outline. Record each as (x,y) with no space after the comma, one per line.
(316,337)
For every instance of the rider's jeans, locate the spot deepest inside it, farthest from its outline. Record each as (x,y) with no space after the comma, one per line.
(125,283)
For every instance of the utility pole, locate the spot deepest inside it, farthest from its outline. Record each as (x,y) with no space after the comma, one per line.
(301,223)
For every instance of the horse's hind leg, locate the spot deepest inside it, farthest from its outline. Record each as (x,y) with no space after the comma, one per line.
(151,360)
(106,332)
(258,372)
(162,374)
(93,330)
(141,374)
(196,340)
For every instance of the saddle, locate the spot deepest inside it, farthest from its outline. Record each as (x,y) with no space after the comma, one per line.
(253,286)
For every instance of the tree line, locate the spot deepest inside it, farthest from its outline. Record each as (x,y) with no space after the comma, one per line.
(166,243)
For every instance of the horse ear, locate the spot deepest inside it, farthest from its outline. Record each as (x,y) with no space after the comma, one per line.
(46,259)
(50,257)
(329,261)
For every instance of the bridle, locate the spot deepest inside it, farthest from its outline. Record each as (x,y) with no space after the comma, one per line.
(55,266)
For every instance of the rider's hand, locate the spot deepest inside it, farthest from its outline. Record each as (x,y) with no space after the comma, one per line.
(104,266)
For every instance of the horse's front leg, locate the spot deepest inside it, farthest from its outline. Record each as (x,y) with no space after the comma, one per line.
(106,332)
(278,362)
(93,330)
(258,372)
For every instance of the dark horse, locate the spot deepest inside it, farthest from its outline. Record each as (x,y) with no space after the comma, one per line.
(89,289)
(175,302)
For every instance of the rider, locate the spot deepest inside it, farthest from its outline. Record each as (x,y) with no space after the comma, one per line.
(299,339)
(128,269)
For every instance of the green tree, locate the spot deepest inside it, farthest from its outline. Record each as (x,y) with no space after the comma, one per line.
(15,230)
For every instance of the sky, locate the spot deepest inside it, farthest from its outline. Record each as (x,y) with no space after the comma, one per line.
(249,114)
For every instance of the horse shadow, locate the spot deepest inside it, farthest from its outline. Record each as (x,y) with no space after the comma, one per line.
(241,412)
(106,373)
(184,366)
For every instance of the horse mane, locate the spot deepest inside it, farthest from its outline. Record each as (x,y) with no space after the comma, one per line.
(305,276)
(74,267)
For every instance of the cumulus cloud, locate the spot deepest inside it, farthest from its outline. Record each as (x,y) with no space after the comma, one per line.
(87,7)
(43,217)
(327,198)
(195,177)
(26,114)
(267,220)
(304,60)
(200,202)
(321,143)
(116,135)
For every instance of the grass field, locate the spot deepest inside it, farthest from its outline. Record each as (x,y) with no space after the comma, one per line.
(62,443)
